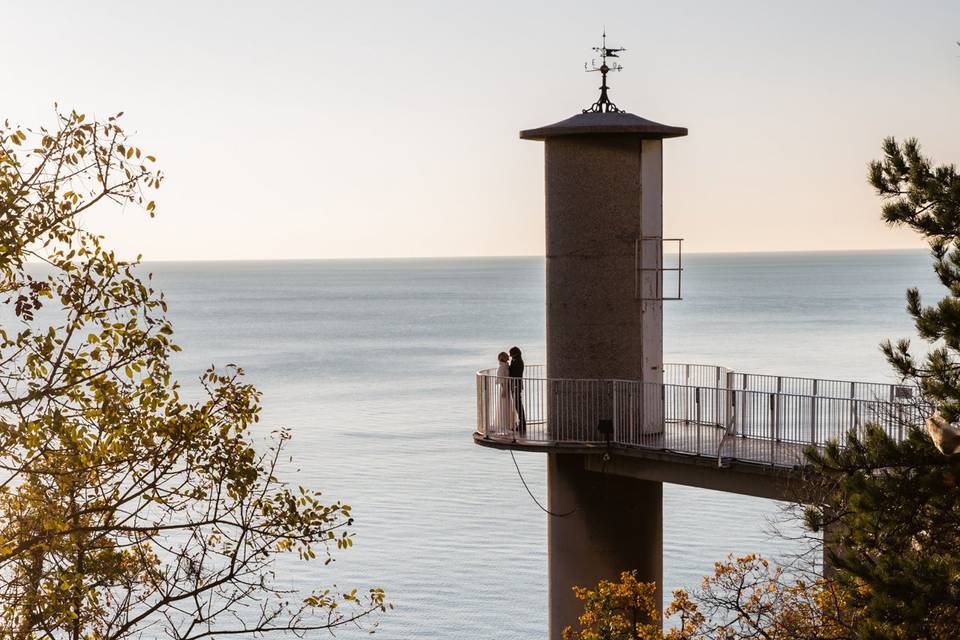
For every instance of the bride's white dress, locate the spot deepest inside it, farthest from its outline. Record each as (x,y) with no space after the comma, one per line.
(503,407)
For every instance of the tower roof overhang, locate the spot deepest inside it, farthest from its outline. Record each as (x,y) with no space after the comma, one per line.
(609,122)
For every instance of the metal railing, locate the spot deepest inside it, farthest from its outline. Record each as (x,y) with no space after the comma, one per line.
(705,375)
(699,410)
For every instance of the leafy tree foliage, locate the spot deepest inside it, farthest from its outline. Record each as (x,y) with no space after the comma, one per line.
(624,610)
(744,598)
(927,199)
(892,509)
(122,505)
(889,510)
(749,597)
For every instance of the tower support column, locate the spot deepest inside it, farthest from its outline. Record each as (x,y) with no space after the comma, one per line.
(616,525)
(603,182)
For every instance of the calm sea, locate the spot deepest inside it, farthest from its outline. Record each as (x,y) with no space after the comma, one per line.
(371,364)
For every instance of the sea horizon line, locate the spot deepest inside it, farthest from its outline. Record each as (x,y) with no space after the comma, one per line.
(523,256)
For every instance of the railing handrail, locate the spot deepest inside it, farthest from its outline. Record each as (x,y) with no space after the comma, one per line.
(483,372)
(753,392)
(888,385)
(784,377)
(755,425)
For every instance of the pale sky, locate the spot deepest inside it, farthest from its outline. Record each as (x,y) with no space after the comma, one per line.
(293,129)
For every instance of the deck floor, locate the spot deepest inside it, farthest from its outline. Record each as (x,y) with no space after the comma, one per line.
(695,441)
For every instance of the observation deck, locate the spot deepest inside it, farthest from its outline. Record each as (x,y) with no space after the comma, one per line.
(701,415)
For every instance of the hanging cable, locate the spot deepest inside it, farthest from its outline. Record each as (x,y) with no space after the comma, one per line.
(533,497)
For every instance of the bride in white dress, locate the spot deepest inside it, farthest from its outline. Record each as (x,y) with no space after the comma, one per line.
(503,407)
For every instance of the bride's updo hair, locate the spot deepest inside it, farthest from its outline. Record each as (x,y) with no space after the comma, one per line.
(502,356)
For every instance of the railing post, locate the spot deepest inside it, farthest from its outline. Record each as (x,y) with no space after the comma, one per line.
(731,413)
(856,416)
(560,393)
(718,408)
(779,391)
(616,412)
(893,400)
(773,429)
(481,407)
(853,407)
(734,425)
(813,419)
(662,413)
(813,414)
(898,408)
(696,395)
(745,408)
(776,417)
(900,420)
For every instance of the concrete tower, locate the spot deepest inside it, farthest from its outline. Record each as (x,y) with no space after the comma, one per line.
(604,299)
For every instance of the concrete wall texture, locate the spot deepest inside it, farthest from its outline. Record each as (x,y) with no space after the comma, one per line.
(603,196)
(611,524)
(603,193)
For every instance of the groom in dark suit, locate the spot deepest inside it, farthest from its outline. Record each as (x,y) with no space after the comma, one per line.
(516,371)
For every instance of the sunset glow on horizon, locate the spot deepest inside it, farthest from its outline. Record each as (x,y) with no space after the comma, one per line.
(327,130)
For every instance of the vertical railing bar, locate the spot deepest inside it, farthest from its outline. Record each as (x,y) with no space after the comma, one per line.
(813,420)
(773,427)
(699,421)
(745,407)
(900,427)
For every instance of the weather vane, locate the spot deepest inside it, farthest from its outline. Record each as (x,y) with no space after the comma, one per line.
(603,104)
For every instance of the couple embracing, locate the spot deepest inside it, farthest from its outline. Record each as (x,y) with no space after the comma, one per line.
(509,399)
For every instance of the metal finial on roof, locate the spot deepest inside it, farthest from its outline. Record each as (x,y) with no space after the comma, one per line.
(603,104)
